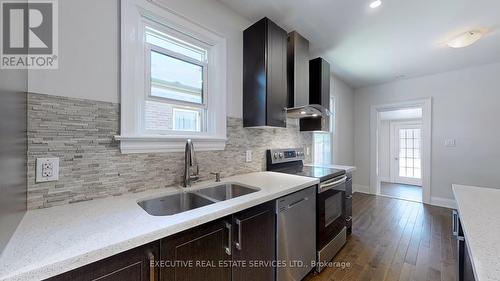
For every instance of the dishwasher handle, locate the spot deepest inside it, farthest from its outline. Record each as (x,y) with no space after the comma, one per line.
(293,204)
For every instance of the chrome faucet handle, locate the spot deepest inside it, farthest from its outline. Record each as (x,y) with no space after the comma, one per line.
(217,176)
(191,168)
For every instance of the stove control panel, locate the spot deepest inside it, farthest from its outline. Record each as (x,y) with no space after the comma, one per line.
(285,155)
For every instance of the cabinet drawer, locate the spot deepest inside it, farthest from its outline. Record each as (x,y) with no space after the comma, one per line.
(132,265)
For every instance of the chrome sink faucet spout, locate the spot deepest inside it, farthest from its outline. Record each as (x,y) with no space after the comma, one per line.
(191,169)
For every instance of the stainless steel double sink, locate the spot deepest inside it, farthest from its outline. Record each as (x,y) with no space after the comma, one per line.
(185,201)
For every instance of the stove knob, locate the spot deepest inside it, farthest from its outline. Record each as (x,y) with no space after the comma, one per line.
(281,154)
(275,155)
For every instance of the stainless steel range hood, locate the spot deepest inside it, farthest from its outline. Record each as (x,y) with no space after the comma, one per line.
(308,99)
(310,110)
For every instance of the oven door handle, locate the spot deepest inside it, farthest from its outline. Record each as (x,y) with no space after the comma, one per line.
(324,187)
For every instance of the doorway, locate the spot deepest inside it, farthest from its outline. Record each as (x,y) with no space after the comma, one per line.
(400,139)
(405,153)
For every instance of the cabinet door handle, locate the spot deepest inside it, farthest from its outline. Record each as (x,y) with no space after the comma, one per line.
(152,271)
(454,225)
(348,219)
(229,228)
(238,243)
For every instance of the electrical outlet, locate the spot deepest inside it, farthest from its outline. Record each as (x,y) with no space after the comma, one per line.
(47,169)
(248,156)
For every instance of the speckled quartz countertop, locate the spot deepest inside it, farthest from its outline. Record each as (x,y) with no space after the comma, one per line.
(58,239)
(479,210)
(348,169)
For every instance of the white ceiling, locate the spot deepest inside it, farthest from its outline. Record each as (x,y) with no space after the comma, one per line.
(400,39)
(401,114)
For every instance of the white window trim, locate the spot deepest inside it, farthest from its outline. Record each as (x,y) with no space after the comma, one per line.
(331,132)
(133,138)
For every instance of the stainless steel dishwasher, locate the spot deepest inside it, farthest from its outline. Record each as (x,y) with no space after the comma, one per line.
(296,234)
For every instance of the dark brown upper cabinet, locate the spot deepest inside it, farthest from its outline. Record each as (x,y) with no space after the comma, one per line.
(264,75)
(319,93)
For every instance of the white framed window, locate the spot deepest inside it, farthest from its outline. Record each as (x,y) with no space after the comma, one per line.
(173,81)
(323,141)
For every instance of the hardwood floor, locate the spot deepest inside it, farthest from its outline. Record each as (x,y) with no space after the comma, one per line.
(401,191)
(395,240)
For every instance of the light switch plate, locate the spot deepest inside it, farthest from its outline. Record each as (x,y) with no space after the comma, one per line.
(450,143)
(248,156)
(47,169)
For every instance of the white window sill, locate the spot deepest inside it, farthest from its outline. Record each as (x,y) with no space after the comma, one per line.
(162,144)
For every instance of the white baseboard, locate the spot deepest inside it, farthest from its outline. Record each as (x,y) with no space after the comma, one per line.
(385,179)
(435,201)
(360,188)
(444,202)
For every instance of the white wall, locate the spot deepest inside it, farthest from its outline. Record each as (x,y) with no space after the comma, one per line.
(88,53)
(466,107)
(89,45)
(343,138)
(89,49)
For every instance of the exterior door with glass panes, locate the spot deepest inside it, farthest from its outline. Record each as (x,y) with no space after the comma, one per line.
(408,154)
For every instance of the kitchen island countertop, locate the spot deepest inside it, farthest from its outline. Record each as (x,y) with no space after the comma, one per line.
(479,210)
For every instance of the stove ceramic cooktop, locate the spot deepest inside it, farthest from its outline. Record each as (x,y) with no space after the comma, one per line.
(321,173)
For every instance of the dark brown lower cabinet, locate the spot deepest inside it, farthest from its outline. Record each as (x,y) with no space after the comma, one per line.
(201,253)
(132,265)
(239,247)
(468,271)
(254,250)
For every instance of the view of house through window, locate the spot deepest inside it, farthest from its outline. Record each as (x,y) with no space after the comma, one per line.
(177,76)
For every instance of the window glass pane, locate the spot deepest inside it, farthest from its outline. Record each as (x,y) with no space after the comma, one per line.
(409,143)
(402,172)
(416,133)
(409,172)
(417,143)
(160,116)
(402,134)
(402,143)
(409,163)
(409,134)
(187,120)
(168,42)
(417,173)
(416,153)
(322,148)
(176,79)
(409,153)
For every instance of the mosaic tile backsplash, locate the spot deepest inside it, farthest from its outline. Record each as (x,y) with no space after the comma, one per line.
(80,132)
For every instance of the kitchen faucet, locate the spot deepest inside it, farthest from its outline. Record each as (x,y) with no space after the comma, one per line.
(190,163)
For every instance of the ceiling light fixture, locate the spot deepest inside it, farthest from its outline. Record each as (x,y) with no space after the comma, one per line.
(465,39)
(375,4)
